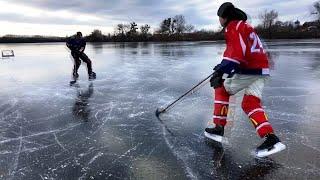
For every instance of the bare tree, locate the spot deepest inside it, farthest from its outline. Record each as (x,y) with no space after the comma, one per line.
(179,24)
(144,29)
(268,19)
(96,35)
(316,6)
(165,26)
(126,28)
(189,28)
(133,28)
(123,29)
(120,29)
(175,25)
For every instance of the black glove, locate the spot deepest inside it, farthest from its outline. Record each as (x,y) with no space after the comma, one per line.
(216,80)
(77,52)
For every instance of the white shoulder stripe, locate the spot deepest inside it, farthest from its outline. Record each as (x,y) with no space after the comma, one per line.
(238,25)
(243,45)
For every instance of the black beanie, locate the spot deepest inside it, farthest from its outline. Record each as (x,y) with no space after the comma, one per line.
(227,10)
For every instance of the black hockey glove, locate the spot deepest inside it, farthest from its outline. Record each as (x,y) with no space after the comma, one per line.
(216,80)
(225,67)
(77,52)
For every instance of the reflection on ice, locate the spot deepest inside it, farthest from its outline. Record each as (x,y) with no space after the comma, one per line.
(81,109)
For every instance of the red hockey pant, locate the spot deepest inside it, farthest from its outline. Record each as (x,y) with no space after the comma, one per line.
(251,105)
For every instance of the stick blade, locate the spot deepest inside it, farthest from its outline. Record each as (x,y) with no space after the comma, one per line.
(159,111)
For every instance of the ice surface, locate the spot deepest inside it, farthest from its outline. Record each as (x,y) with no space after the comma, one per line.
(106,129)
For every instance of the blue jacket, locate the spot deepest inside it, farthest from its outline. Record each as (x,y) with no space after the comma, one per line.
(75,44)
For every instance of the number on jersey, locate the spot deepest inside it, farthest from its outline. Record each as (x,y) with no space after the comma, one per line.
(256,45)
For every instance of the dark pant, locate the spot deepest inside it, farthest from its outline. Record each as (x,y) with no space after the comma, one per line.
(78,56)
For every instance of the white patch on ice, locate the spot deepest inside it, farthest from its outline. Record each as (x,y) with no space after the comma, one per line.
(58,142)
(136,114)
(95,158)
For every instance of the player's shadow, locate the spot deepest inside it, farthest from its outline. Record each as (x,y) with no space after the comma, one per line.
(259,169)
(81,109)
(224,166)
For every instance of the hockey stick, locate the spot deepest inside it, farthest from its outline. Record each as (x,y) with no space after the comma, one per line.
(191,91)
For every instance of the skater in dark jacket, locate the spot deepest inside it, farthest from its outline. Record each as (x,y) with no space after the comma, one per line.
(77,45)
(245,64)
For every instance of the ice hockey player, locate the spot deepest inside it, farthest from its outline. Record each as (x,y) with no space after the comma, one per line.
(245,63)
(77,45)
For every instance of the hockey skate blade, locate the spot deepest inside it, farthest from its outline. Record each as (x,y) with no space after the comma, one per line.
(73,82)
(276,148)
(216,138)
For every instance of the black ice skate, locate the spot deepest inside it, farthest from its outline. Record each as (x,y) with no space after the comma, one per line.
(92,76)
(75,77)
(271,145)
(73,82)
(214,133)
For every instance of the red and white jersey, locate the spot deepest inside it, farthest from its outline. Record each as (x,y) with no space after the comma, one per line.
(244,47)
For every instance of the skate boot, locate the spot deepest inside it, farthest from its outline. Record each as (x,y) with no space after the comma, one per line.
(214,132)
(271,145)
(75,76)
(92,76)
(73,82)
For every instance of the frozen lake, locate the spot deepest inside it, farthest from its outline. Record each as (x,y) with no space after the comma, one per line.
(106,129)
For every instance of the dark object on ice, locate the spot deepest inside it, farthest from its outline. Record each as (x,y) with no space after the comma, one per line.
(7,53)
(271,145)
(191,91)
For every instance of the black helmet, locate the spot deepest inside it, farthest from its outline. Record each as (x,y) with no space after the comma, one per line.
(227,10)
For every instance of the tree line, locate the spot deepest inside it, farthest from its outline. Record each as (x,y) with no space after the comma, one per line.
(177,29)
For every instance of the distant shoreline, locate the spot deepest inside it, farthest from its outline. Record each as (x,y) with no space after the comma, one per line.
(276,32)
(195,36)
(167,41)
(211,40)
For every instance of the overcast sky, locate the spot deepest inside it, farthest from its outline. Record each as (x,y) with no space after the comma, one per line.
(65,17)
